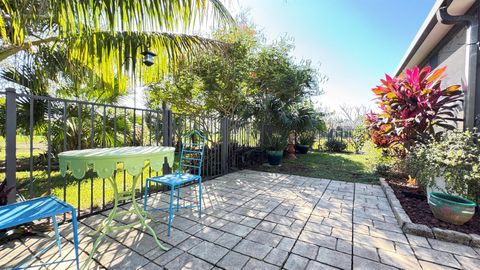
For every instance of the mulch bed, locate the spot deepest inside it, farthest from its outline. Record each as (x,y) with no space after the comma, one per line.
(414,202)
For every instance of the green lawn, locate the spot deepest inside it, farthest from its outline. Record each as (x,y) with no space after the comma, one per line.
(23,146)
(336,166)
(74,187)
(41,184)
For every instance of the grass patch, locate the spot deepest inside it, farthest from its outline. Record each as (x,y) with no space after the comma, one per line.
(89,192)
(336,166)
(76,192)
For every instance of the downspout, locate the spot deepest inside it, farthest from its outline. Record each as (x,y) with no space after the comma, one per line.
(471,21)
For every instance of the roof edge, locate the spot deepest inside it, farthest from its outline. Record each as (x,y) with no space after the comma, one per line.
(422,34)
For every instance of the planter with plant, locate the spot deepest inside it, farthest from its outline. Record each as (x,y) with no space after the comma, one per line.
(305,141)
(451,165)
(275,144)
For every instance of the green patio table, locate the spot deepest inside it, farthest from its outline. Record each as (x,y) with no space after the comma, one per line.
(104,162)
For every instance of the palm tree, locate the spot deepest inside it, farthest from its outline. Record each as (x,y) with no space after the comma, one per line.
(107,36)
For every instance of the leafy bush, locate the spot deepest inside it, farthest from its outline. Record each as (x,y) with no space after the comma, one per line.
(359,137)
(456,157)
(383,169)
(336,146)
(306,138)
(276,142)
(411,106)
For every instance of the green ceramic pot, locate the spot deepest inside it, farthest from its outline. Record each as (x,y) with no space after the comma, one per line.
(302,149)
(450,208)
(274,157)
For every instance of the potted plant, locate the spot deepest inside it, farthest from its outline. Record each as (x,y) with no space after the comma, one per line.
(450,170)
(305,141)
(275,145)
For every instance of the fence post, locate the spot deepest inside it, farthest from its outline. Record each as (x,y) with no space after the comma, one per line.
(262,135)
(11,144)
(167,128)
(167,136)
(225,136)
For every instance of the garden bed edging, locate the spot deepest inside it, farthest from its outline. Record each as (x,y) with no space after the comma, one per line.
(423,230)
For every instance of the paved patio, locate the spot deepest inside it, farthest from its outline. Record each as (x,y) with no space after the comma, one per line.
(257,220)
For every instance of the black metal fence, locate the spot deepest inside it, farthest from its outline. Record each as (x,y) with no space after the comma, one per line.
(343,134)
(50,125)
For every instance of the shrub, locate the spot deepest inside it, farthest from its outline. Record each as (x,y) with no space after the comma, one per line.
(276,142)
(359,137)
(456,157)
(306,138)
(411,106)
(383,169)
(336,146)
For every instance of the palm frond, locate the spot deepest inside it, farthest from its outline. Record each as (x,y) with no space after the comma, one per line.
(112,56)
(19,17)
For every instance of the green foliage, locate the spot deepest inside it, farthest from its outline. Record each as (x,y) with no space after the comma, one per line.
(359,137)
(374,156)
(249,79)
(307,138)
(302,118)
(276,142)
(283,88)
(456,157)
(108,37)
(214,81)
(335,145)
(383,169)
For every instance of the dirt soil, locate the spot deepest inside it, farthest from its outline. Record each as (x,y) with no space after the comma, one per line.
(414,202)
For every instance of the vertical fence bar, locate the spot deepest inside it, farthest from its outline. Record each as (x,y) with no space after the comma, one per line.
(79,147)
(166,127)
(92,145)
(224,154)
(49,146)
(11,144)
(104,144)
(31,148)
(115,127)
(124,144)
(65,105)
(134,126)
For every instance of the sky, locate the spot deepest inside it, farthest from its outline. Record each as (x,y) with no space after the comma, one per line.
(355,42)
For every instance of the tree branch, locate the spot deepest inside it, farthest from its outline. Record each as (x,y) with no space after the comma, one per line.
(8,51)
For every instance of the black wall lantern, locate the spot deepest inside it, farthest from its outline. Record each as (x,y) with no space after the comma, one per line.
(148,57)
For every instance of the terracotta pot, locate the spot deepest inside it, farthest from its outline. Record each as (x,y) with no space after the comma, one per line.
(291,151)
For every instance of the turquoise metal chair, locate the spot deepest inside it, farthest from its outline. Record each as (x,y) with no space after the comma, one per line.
(45,207)
(189,171)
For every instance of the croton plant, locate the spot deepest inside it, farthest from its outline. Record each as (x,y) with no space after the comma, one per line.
(412,108)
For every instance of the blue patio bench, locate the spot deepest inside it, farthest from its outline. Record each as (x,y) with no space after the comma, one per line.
(44,207)
(189,171)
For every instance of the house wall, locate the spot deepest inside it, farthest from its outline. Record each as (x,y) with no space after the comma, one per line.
(451,53)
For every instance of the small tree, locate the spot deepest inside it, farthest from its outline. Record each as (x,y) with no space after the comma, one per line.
(413,107)
(359,137)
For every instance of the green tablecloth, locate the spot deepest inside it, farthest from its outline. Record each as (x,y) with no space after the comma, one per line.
(104,161)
